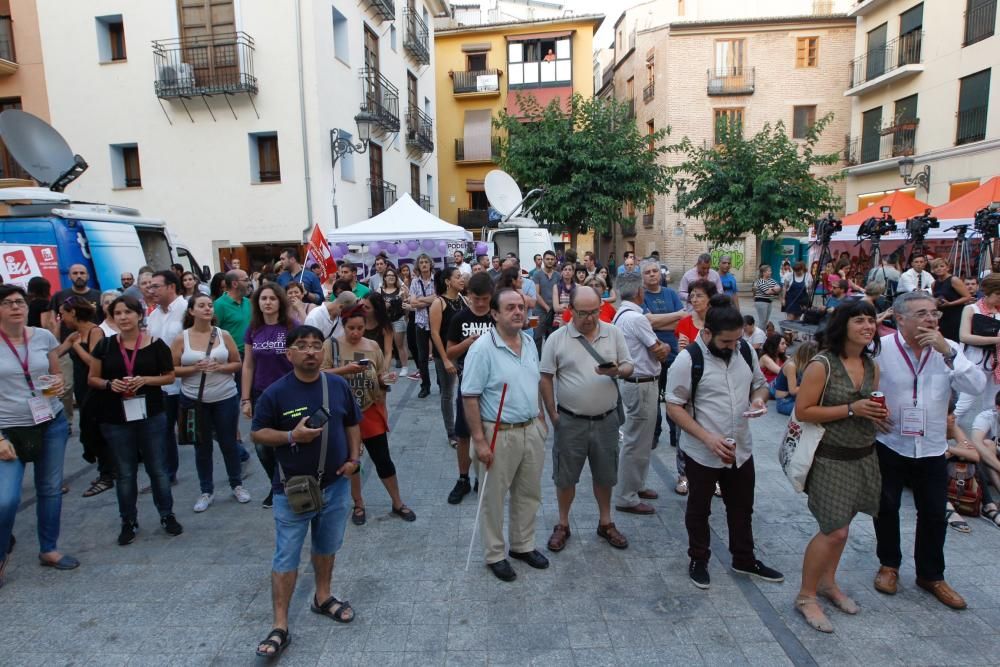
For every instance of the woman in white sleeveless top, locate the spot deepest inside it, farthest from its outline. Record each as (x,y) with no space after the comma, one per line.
(220,402)
(981,350)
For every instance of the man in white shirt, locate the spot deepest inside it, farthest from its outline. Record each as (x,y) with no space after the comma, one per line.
(461,264)
(919,369)
(166,322)
(916,278)
(326,317)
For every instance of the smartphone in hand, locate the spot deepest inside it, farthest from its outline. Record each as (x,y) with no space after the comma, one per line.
(318,418)
(606,364)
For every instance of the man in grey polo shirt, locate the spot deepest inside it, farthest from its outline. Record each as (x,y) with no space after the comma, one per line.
(639,395)
(716,439)
(585,420)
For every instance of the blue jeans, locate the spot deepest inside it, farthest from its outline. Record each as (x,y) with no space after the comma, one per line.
(172,461)
(48,489)
(326,526)
(221,418)
(126,441)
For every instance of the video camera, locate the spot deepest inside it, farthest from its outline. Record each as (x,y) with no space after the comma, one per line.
(875,228)
(826,227)
(918,226)
(987,221)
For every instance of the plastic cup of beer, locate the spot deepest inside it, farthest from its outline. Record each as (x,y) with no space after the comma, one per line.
(389,378)
(47,384)
(533,321)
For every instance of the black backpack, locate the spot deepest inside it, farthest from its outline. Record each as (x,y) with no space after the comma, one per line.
(698,364)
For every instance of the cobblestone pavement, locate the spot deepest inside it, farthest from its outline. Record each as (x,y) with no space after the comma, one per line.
(204,598)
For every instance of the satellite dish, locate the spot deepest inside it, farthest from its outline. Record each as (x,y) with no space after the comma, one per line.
(40,149)
(502,191)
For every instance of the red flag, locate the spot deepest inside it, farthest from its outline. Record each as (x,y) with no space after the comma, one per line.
(319,252)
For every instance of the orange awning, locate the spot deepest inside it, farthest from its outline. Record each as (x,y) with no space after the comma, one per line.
(965,207)
(901,206)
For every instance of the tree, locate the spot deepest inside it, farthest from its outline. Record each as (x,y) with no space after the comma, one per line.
(590,160)
(754,186)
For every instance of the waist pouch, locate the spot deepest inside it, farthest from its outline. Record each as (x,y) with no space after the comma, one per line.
(303,494)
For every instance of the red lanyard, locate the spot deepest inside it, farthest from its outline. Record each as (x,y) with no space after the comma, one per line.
(24,362)
(909,364)
(129,362)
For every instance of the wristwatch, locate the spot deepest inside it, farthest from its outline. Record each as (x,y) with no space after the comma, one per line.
(850,410)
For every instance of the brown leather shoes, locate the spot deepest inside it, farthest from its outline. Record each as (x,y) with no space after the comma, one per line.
(559,536)
(648,494)
(887,580)
(641,508)
(612,535)
(945,594)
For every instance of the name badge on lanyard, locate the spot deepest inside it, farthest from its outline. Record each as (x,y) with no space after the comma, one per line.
(41,408)
(913,420)
(133,406)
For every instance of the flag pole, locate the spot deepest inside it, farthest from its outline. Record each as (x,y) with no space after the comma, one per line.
(482,487)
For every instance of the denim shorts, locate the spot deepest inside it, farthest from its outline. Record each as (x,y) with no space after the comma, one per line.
(326,526)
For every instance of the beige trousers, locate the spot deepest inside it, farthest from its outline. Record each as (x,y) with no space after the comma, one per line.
(517,467)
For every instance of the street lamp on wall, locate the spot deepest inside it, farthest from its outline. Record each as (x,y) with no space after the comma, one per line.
(341,146)
(920,179)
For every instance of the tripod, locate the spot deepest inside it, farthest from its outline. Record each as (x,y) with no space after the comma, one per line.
(986,256)
(824,258)
(961,255)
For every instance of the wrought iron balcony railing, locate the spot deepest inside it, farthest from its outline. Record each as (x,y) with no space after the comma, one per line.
(980,22)
(474,155)
(416,38)
(213,65)
(379,99)
(384,9)
(383,195)
(890,142)
(971,125)
(904,50)
(731,80)
(473,218)
(7,40)
(478,81)
(647,92)
(425,202)
(419,130)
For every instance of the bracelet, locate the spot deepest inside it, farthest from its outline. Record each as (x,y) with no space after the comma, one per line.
(245,400)
(290,441)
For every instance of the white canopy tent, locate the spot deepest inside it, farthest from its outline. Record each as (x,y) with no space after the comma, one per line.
(404,220)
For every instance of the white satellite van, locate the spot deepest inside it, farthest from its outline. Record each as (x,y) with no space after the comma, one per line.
(517,232)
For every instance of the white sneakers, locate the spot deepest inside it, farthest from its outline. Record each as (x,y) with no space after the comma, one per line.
(241,494)
(204,500)
(404,371)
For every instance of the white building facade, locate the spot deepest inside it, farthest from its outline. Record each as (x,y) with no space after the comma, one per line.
(219,116)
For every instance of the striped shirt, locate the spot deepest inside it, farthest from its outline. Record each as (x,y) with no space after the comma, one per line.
(762,288)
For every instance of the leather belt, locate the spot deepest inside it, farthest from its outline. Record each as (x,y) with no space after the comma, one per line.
(640,380)
(592,418)
(839,453)
(502,426)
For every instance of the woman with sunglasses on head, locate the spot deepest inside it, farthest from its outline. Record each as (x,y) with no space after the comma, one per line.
(33,423)
(206,359)
(394,293)
(360,361)
(264,358)
(127,371)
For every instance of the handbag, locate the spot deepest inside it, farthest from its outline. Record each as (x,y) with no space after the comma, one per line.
(304,493)
(619,408)
(813,315)
(189,417)
(798,445)
(985,325)
(964,492)
(28,441)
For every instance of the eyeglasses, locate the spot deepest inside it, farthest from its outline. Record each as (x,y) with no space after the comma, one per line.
(926,314)
(307,348)
(14,303)
(587,313)
(156,286)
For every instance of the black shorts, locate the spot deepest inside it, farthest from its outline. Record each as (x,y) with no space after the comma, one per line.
(461,426)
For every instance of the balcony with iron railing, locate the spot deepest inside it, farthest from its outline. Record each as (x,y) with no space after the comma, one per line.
(898,58)
(7,40)
(731,80)
(383,195)
(890,142)
(416,37)
(473,218)
(477,153)
(648,91)
(211,65)
(980,22)
(425,202)
(483,82)
(971,125)
(379,100)
(419,131)
(384,9)
(628,227)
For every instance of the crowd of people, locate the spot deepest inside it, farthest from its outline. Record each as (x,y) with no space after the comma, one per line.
(591,352)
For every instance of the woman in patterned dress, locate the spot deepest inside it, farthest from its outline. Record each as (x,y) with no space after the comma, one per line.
(844,478)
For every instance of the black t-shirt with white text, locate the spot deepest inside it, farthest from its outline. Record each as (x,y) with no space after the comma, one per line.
(465,324)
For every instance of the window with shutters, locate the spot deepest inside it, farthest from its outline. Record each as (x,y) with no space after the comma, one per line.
(265,164)
(973,105)
(731,118)
(125,172)
(807,52)
(803,117)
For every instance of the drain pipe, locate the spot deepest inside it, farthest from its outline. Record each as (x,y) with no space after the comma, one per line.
(302,121)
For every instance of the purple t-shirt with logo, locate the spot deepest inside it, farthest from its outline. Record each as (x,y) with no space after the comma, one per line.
(269,359)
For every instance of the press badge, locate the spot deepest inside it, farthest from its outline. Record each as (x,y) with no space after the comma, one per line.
(135,408)
(41,409)
(912,422)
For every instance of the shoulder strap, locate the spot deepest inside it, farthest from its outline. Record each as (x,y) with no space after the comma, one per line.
(208,353)
(745,351)
(326,427)
(697,368)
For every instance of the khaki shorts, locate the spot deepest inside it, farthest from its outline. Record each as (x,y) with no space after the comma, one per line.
(579,440)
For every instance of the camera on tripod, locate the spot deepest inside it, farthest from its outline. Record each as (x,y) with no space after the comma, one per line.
(875,228)
(826,227)
(987,221)
(918,226)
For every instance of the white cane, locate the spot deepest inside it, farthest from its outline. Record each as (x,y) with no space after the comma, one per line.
(482,487)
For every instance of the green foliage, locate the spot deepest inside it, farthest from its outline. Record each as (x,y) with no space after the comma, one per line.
(591,160)
(754,186)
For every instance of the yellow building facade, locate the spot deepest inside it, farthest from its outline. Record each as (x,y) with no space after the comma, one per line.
(479,71)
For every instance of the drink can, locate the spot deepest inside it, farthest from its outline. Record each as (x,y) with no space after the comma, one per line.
(877,397)
(731,442)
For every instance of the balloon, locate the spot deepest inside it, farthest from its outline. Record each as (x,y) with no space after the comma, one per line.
(442,247)
(337,252)
(392,249)
(412,245)
(482,249)
(343,248)
(428,244)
